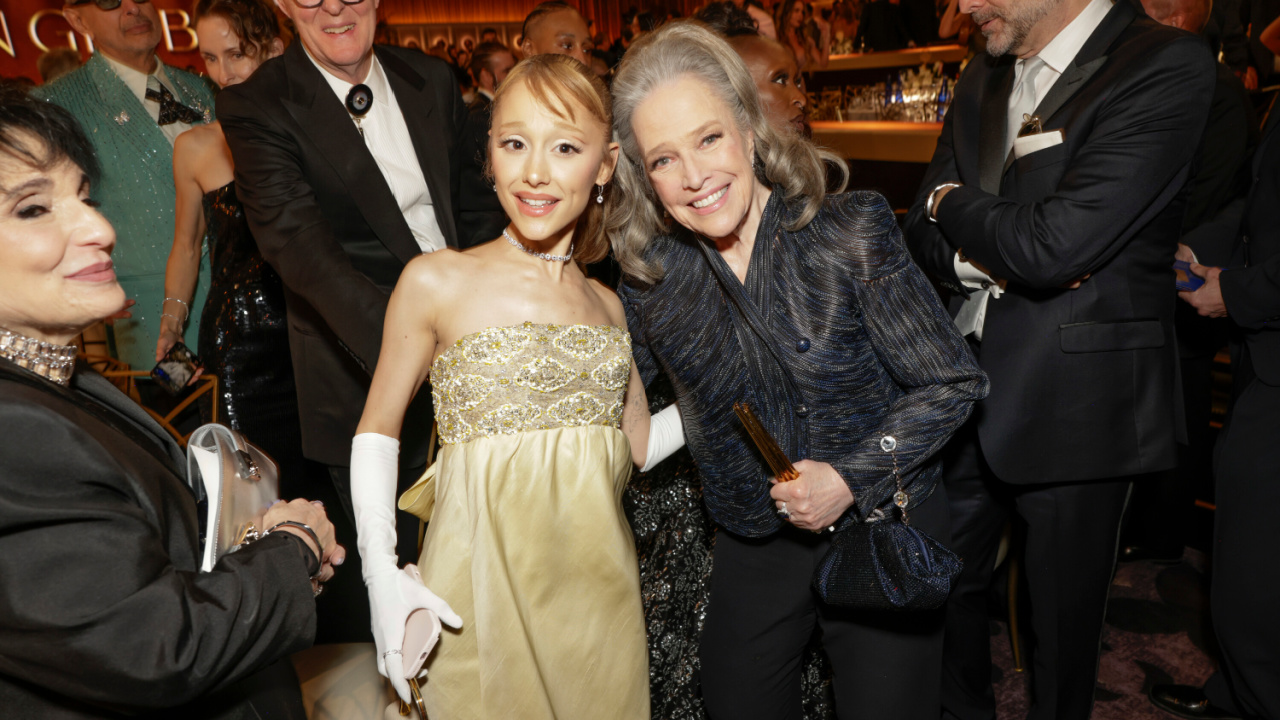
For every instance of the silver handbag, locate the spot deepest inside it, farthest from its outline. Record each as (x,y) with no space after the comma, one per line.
(240,482)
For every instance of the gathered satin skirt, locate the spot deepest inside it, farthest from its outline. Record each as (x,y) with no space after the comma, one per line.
(527,542)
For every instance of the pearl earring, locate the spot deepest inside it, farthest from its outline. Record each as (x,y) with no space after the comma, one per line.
(600,195)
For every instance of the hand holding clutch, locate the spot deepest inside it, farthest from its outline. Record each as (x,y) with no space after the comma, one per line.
(392,599)
(393,595)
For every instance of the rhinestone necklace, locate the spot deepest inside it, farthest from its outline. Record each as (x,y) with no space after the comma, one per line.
(535,253)
(49,361)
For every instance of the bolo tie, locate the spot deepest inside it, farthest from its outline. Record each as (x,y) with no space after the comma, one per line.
(359,100)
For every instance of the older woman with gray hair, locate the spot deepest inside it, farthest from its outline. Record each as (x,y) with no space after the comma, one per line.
(745,281)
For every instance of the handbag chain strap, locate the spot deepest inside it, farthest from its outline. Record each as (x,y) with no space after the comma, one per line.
(889,444)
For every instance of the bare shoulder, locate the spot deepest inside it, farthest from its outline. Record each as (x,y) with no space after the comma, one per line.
(609,301)
(199,141)
(436,272)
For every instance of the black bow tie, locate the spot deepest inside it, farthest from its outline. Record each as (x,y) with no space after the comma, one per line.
(171,110)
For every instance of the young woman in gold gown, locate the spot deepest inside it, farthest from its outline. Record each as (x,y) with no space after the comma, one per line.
(528,556)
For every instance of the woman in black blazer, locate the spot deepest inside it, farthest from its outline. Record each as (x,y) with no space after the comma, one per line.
(103,610)
(760,287)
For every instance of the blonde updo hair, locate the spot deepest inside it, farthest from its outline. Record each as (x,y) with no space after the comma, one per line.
(554,81)
(785,161)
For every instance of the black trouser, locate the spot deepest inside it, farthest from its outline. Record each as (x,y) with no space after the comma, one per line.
(761,615)
(1245,592)
(1069,557)
(343,609)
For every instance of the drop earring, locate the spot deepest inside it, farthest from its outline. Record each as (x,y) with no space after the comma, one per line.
(600,195)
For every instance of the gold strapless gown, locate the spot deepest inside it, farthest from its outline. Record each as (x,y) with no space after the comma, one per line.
(527,540)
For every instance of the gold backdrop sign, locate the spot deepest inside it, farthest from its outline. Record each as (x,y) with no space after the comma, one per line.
(30,27)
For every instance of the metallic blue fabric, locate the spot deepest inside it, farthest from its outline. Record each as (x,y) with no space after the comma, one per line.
(859,347)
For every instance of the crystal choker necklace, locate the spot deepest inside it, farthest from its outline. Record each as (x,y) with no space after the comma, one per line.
(535,253)
(49,361)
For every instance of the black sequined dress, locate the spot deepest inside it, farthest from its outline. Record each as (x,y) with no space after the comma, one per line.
(244,337)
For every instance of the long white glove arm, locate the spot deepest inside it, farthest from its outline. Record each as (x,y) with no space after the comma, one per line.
(392,594)
(666,435)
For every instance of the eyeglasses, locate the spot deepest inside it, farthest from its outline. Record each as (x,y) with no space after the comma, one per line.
(311,5)
(107,5)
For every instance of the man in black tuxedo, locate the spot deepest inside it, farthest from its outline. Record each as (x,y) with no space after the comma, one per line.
(1245,590)
(1058,246)
(338,201)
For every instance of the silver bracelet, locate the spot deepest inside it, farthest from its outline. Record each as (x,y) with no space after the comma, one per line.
(175,317)
(183,302)
(310,533)
(928,204)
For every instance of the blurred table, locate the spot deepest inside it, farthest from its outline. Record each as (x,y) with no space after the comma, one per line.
(882,141)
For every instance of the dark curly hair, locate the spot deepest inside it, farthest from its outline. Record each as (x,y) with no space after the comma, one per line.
(727,20)
(253,21)
(56,133)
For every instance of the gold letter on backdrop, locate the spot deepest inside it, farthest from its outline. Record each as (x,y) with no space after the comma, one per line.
(184,27)
(7,45)
(35,36)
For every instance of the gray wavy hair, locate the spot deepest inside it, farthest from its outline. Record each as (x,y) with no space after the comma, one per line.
(784,160)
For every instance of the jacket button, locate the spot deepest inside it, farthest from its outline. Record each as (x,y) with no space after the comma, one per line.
(802,410)
(802,345)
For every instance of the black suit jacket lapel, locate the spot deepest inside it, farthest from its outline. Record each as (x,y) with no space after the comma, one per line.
(1092,56)
(1087,62)
(410,90)
(992,124)
(329,127)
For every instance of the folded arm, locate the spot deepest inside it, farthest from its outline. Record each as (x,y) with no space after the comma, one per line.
(1133,163)
(928,246)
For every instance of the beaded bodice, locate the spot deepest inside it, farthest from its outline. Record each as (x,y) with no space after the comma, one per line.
(505,380)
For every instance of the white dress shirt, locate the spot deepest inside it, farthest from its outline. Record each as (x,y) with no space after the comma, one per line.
(137,84)
(387,135)
(1057,55)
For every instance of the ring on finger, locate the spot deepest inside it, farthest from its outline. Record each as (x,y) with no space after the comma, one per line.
(782,511)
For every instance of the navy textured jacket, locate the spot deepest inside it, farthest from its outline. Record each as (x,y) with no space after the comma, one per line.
(835,339)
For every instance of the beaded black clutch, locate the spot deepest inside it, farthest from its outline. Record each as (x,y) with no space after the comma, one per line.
(886,565)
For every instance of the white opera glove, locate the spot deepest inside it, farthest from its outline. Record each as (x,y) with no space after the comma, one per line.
(666,435)
(392,594)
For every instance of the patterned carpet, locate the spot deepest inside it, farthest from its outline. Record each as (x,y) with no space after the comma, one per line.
(1157,632)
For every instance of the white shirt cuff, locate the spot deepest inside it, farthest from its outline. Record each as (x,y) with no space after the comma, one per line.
(973,278)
